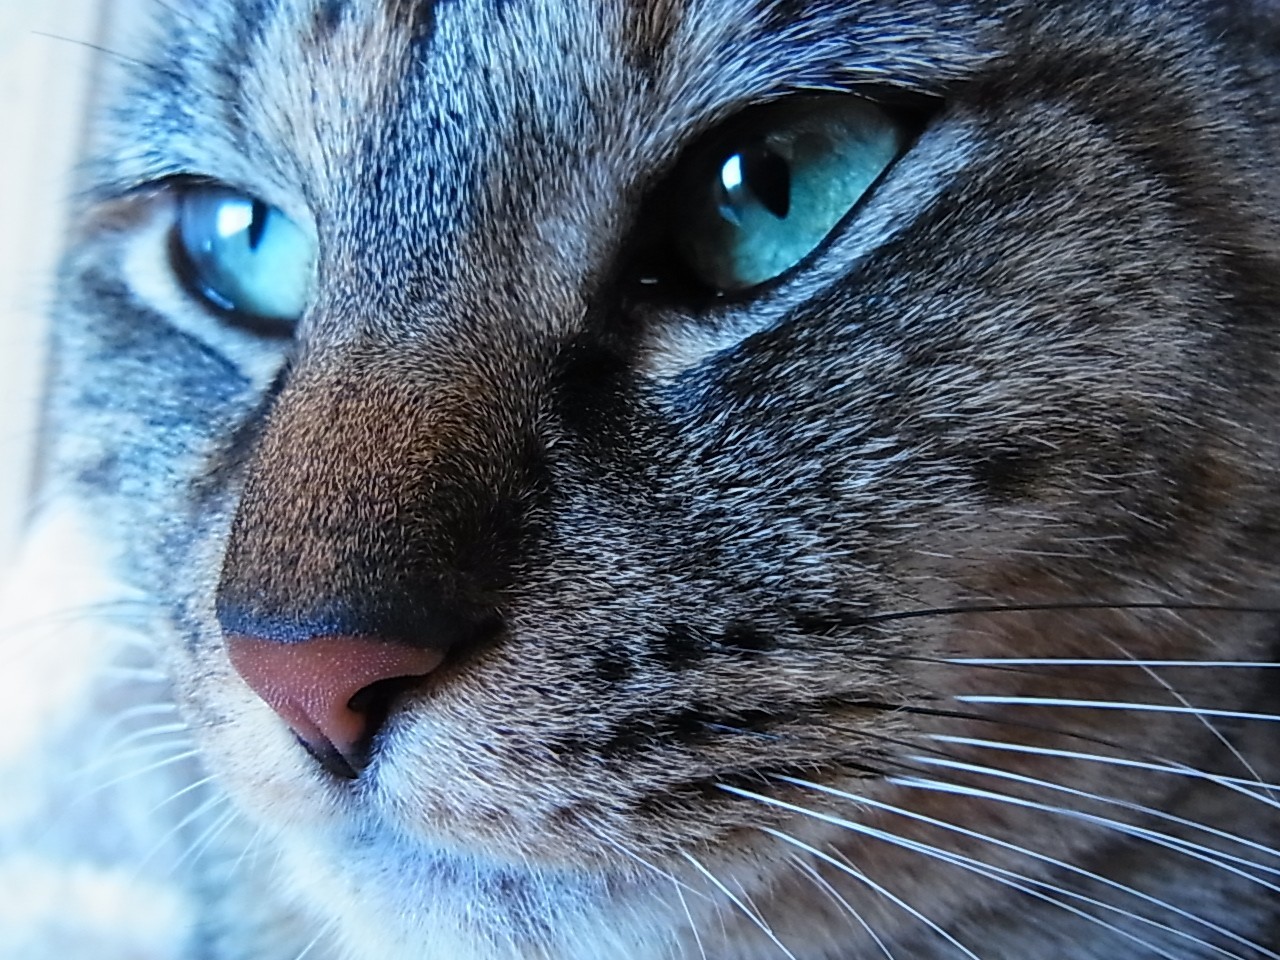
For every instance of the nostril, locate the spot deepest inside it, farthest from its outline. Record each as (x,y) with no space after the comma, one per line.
(334,692)
(375,701)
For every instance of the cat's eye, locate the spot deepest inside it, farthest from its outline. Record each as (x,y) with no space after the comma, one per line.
(757,199)
(243,255)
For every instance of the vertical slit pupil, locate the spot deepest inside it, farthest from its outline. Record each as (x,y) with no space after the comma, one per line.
(768,176)
(258,223)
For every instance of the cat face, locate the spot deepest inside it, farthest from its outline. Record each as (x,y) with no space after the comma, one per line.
(692,427)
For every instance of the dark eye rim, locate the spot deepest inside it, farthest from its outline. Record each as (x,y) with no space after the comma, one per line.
(188,274)
(654,276)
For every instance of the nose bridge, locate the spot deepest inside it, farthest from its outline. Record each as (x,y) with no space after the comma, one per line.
(360,501)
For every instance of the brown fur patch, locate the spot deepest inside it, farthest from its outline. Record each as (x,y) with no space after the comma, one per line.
(651,27)
(416,17)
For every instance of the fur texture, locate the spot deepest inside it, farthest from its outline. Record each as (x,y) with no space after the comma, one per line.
(683,551)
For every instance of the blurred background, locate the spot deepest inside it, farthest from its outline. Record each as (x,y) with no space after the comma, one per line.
(49,67)
(80,861)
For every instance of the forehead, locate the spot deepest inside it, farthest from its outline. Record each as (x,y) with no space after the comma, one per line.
(298,88)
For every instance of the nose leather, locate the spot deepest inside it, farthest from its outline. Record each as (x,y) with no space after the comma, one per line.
(311,685)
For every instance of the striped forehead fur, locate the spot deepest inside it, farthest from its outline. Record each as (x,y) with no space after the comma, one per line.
(540,58)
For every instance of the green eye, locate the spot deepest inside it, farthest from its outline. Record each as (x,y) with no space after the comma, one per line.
(761,198)
(243,255)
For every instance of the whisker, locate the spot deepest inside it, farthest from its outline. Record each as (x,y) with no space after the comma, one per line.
(150,768)
(693,927)
(1062,607)
(1112,705)
(143,610)
(251,844)
(1177,844)
(746,911)
(119,758)
(858,875)
(1237,784)
(825,886)
(976,717)
(146,733)
(189,788)
(1085,662)
(1044,858)
(202,843)
(95,47)
(945,761)
(1016,667)
(1204,720)
(654,868)
(325,930)
(203,810)
(992,872)
(124,718)
(1017,882)
(142,710)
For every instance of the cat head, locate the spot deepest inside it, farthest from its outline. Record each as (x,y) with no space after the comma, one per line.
(615,388)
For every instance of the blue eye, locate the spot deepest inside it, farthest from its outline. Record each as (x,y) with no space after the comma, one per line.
(761,199)
(243,255)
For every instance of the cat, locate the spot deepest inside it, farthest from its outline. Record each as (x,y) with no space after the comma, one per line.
(683,479)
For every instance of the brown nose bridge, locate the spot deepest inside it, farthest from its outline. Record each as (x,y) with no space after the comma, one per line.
(350,512)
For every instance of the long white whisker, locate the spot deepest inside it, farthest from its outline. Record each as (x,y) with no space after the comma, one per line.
(1204,720)
(746,911)
(915,783)
(856,874)
(812,873)
(118,758)
(1177,844)
(159,764)
(147,733)
(992,872)
(1238,784)
(112,741)
(654,868)
(693,927)
(142,710)
(1112,705)
(196,785)
(326,929)
(203,810)
(206,839)
(1080,662)
(252,844)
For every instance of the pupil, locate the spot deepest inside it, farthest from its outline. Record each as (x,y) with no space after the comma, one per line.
(257,223)
(759,173)
(768,176)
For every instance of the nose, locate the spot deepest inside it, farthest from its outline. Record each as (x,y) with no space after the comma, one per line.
(334,692)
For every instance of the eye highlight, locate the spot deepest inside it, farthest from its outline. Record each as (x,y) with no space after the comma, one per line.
(242,255)
(757,199)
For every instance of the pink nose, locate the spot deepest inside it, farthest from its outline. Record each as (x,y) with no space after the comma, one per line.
(331,691)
